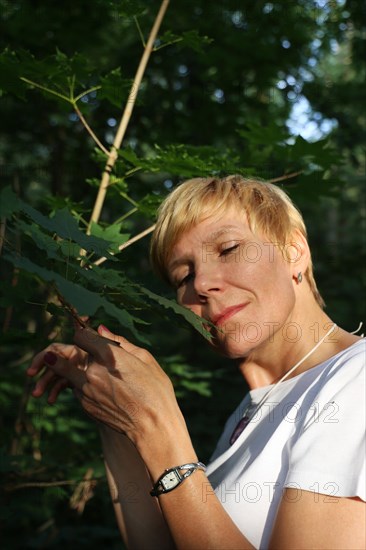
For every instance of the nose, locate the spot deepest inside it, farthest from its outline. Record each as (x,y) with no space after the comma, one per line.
(207,280)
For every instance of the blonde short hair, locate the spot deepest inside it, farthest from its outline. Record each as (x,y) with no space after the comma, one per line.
(268,208)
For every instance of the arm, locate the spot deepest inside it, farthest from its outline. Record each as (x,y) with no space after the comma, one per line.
(311,520)
(139,517)
(127,390)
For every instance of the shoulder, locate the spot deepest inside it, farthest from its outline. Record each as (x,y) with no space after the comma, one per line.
(345,372)
(353,355)
(338,392)
(326,451)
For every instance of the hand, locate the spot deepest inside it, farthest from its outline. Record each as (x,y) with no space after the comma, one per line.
(123,386)
(49,380)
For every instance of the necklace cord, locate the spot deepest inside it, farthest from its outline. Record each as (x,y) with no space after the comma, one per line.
(292,369)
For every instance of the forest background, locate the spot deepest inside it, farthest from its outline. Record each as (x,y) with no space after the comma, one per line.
(270,89)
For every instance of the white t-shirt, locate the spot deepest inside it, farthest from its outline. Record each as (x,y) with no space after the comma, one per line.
(309,435)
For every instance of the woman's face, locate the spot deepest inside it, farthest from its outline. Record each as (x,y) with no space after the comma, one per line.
(238,281)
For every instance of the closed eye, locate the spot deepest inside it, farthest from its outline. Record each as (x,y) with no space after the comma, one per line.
(185,279)
(229,249)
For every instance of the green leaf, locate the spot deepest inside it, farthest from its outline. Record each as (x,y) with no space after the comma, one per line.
(57,76)
(196,321)
(85,301)
(43,241)
(9,75)
(190,39)
(66,227)
(259,134)
(111,233)
(114,88)
(149,204)
(195,41)
(186,161)
(128,8)
(9,202)
(318,153)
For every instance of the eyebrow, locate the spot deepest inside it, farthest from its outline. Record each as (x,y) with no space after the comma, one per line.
(212,237)
(224,229)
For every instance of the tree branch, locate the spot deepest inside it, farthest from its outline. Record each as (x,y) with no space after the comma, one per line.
(286,176)
(113,154)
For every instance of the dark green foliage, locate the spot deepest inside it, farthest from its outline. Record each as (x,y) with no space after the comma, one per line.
(215,100)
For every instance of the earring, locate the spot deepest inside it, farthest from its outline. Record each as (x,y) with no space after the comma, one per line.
(299,277)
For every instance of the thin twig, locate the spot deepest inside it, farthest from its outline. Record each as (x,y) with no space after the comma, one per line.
(83,492)
(86,92)
(131,201)
(129,213)
(44,484)
(286,176)
(113,154)
(45,89)
(175,41)
(128,243)
(70,309)
(89,130)
(73,102)
(140,32)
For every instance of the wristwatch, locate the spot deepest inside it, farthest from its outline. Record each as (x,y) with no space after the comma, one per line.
(172,477)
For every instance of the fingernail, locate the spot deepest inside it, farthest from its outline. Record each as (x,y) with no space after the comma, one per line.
(50,358)
(104,329)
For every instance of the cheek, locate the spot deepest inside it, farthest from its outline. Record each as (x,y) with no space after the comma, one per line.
(186,298)
(268,278)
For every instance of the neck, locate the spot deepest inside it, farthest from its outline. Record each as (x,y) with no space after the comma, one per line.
(284,349)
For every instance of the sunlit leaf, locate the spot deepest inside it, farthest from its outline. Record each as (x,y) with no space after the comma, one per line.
(111,233)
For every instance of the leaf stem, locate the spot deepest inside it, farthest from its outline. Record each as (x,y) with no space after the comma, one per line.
(128,198)
(86,92)
(113,154)
(129,213)
(140,32)
(89,130)
(175,41)
(48,90)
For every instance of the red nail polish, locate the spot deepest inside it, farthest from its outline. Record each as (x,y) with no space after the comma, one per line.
(105,328)
(50,358)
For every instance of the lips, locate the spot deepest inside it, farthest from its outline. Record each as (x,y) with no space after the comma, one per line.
(225,314)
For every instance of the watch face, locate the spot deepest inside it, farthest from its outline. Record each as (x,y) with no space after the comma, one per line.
(170,480)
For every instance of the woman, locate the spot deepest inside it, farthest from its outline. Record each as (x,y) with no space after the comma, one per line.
(289,469)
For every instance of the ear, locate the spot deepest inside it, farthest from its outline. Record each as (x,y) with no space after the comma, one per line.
(297,253)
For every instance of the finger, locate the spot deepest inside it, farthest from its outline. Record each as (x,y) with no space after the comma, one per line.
(98,412)
(43,383)
(37,364)
(66,350)
(95,344)
(60,385)
(125,344)
(83,318)
(141,353)
(64,369)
